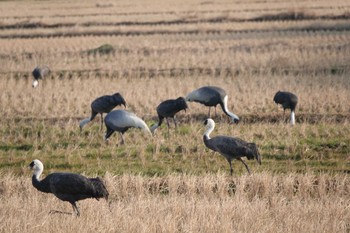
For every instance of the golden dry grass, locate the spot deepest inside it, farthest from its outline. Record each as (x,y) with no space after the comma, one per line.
(181,203)
(248,94)
(162,50)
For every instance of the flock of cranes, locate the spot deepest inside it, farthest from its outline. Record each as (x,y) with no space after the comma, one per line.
(74,187)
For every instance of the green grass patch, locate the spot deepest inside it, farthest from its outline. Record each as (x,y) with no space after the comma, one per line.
(304,149)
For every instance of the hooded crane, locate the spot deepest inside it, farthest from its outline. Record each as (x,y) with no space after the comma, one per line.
(287,100)
(39,73)
(168,109)
(121,121)
(103,104)
(211,96)
(68,186)
(230,147)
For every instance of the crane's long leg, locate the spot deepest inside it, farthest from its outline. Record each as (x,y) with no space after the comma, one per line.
(101,121)
(75,208)
(209,113)
(230,162)
(246,166)
(175,121)
(122,139)
(168,124)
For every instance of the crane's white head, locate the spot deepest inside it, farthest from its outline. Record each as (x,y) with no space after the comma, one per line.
(37,167)
(35,83)
(210,124)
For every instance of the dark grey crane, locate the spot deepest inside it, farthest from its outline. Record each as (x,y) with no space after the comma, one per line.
(122,120)
(103,104)
(168,109)
(211,96)
(288,100)
(40,72)
(69,187)
(230,147)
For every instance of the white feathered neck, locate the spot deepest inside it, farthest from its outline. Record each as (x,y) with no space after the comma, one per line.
(210,127)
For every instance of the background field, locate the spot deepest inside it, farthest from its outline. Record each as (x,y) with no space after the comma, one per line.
(150,51)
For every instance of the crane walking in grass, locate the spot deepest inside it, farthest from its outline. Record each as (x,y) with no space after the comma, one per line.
(288,100)
(211,96)
(230,147)
(103,104)
(69,187)
(40,72)
(168,109)
(121,121)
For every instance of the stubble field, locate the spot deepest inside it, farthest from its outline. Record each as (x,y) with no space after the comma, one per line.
(150,51)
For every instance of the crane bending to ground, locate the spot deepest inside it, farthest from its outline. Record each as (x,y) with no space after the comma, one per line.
(103,104)
(288,100)
(168,109)
(211,96)
(121,121)
(40,72)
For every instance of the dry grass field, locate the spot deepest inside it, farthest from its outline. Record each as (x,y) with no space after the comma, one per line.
(181,203)
(154,50)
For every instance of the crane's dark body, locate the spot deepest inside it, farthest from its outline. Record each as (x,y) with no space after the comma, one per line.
(105,104)
(70,187)
(288,100)
(213,96)
(168,109)
(210,96)
(40,71)
(232,148)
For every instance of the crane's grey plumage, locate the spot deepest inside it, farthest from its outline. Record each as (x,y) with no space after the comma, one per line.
(103,104)
(230,147)
(40,72)
(211,96)
(69,187)
(121,121)
(288,100)
(168,109)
